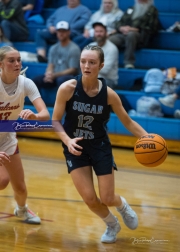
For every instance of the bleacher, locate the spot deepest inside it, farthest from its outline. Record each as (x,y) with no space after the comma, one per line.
(163,53)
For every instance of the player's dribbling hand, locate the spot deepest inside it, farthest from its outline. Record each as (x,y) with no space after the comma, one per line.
(4,158)
(73,147)
(28,114)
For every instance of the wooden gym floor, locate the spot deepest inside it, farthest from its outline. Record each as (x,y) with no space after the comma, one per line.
(68,225)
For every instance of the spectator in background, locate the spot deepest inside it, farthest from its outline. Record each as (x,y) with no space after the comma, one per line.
(110,70)
(63,60)
(135,29)
(169,101)
(12,20)
(108,14)
(32,10)
(74,13)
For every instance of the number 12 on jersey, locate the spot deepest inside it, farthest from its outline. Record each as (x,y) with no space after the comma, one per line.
(84,122)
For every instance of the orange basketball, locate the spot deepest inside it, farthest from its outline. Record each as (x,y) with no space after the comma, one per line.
(150,150)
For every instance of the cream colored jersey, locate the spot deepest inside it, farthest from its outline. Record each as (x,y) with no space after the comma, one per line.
(11,106)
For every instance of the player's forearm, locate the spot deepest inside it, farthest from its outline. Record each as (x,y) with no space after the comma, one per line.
(49,69)
(60,132)
(43,115)
(64,137)
(136,129)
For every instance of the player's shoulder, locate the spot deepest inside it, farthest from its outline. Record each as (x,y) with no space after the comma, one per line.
(25,80)
(112,95)
(67,88)
(70,84)
(110,91)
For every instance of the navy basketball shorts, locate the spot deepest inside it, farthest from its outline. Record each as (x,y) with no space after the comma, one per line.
(95,153)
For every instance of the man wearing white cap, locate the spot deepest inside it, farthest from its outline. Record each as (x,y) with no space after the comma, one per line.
(63,60)
(76,14)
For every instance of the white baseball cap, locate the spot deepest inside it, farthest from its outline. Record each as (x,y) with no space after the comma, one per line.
(62,25)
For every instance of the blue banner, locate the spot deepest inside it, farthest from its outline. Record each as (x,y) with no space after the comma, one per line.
(26,126)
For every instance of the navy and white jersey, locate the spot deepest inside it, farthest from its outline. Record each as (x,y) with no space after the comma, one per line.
(87,116)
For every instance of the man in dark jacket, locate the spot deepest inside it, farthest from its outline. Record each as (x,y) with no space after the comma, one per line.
(12,21)
(135,29)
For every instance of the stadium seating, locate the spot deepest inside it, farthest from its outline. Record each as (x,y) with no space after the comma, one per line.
(132,98)
(163,52)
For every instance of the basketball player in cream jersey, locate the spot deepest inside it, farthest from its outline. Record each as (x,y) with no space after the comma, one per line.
(13,90)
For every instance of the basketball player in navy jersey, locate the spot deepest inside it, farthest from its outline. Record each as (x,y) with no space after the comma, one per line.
(87,101)
(13,89)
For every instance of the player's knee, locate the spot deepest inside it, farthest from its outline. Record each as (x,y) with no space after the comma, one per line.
(115,40)
(4,182)
(91,202)
(108,200)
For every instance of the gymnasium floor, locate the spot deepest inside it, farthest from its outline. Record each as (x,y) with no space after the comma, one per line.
(68,225)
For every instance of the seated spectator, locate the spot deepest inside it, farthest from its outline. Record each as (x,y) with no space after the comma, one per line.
(32,10)
(135,29)
(74,13)
(108,14)
(111,55)
(12,21)
(63,60)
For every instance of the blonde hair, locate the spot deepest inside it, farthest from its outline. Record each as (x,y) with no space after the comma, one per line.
(4,50)
(115,7)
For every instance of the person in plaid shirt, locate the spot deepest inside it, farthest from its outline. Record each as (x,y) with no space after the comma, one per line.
(135,29)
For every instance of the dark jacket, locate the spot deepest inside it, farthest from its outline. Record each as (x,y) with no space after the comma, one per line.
(148,24)
(13,12)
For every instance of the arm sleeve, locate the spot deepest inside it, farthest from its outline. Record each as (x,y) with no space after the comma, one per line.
(123,21)
(94,18)
(50,21)
(83,19)
(152,22)
(31,90)
(51,55)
